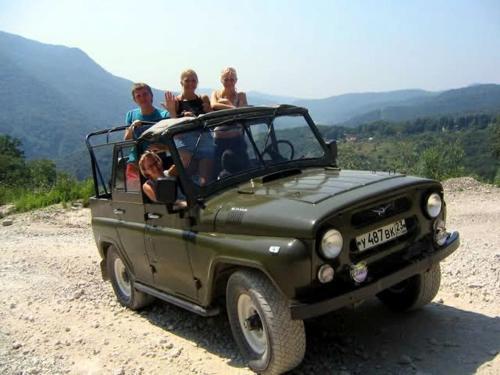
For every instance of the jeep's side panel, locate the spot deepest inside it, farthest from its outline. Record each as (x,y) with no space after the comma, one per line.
(166,244)
(277,257)
(103,227)
(130,226)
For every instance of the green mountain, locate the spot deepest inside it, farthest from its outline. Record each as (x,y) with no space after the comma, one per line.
(341,108)
(472,99)
(52,96)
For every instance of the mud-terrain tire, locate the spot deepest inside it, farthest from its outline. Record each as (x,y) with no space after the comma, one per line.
(269,340)
(413,293)
(123,284)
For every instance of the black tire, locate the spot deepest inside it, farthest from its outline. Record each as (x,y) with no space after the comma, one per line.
(413,293)
(285,340)
(127,296)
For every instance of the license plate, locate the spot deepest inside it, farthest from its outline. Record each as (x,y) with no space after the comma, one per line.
(381,235)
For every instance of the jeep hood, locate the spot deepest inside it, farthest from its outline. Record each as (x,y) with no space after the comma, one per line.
(295,205)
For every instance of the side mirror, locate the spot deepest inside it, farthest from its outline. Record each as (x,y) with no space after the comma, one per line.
(166,190)
(332,146)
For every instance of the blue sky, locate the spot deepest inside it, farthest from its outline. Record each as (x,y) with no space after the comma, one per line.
(297,48)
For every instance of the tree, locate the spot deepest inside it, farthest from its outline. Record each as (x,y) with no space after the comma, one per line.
(11,147)
(43,173)
(350,158)
(495,138)
(444,160)
(12,167)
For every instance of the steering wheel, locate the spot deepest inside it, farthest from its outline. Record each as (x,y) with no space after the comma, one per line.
(275,153)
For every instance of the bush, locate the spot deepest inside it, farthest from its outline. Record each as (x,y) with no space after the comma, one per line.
(442,161)
(66,190)
(43,173)
(497,178)
(36,183)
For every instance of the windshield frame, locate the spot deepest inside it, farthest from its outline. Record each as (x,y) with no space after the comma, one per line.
(195,192)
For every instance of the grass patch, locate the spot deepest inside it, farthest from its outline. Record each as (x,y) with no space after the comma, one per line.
(66,190)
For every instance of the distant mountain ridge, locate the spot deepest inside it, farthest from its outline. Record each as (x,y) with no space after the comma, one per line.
(55,95)
(470,99)
(52,96)
(341,108)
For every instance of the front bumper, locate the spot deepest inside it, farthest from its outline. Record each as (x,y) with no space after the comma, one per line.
(304,311)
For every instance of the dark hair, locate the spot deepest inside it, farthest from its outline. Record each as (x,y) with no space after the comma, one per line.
(138,86)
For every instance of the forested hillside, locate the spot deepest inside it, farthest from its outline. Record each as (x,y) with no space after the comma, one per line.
(342,108)
(52,96)
(29,184)
(440,147)
(463,101)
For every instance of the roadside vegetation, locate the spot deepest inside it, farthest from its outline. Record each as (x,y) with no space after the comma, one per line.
(438,148)
(30,184)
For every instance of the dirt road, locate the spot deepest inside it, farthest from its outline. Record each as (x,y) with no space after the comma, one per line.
(57,316)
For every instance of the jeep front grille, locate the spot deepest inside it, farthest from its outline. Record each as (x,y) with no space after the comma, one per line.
(380,211)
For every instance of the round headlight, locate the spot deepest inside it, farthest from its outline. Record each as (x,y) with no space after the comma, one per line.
(433,205)
(331,244)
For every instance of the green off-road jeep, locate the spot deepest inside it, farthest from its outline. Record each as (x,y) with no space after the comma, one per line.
(262,218)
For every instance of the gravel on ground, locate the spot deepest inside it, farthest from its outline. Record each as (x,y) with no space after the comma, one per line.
(57,316)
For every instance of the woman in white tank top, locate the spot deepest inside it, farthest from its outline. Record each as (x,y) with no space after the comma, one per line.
(228,97)
(229,137)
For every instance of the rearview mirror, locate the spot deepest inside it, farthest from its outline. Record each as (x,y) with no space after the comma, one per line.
(332,146)
(166,190)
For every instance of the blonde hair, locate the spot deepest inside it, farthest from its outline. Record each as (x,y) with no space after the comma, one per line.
(144,157)
(138,86)
(189,72)
(228,71)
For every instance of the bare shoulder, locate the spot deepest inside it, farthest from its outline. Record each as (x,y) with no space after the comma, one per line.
(214,97)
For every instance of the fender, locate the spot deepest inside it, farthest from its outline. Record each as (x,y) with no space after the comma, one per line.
(276,257)
(103,243)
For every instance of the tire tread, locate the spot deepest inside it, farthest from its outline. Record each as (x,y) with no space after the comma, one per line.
(138,299)
(288,341)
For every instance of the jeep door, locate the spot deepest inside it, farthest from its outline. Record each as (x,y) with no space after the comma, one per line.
(167,236)
(128,211)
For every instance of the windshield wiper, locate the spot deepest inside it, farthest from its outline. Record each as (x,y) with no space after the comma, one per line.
(254,145)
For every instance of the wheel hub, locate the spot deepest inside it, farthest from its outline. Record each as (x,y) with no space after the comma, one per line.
(122,278)
(251,324)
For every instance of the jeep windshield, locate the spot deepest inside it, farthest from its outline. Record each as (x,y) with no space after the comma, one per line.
(236,150)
